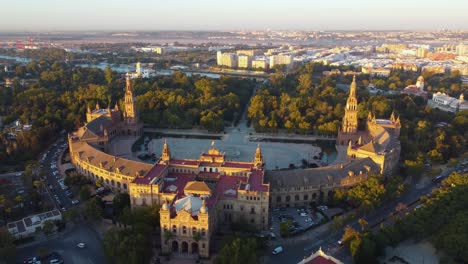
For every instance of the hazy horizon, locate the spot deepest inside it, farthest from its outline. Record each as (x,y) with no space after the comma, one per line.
(212,15)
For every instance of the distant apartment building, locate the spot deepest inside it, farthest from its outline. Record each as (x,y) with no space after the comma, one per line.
(287,60)
(405,66)
(422,52)
(446,48)
(249,52)
(441,56)
(260,64)
(158,50)
(393,48)
(227,59)
(436,69)
(244,61)
(446,103)
(380,72)
(381,49)
(461,49)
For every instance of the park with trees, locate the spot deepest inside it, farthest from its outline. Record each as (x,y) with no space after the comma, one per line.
(440,220)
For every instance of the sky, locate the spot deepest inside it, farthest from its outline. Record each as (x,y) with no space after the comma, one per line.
(148,15)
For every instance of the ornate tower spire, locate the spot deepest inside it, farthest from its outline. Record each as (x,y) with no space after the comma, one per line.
(352,88)
(392,117)
(131,114)
(166,155)
(88,110)
(258,160)
(350,121)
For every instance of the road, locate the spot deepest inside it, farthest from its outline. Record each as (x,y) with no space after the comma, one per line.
(296,249)
(51,158)
(65,244)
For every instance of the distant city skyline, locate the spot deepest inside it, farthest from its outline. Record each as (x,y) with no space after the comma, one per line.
(147,15)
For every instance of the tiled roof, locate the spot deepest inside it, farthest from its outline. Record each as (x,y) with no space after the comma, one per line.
(95,124)
(154,173)
(197,187)
(179,180)
(256,181)
(109,162)
(184,162)
(244,165)
(319,176)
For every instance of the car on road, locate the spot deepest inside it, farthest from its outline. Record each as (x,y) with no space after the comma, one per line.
(81,245)
(340,242)
(277,250)
(438,179)
(75,202)
(33,260)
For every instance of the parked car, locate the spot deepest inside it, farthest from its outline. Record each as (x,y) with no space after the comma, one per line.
(75,202)
(277,250)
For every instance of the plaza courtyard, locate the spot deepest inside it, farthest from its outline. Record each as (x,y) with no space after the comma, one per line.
(237,146)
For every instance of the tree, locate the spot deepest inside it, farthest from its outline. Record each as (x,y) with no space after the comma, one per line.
(167,236)
(7,247)
(369,193)
(108,75)
(240,250)
(48,227)
(350,234)
(93,209)
(121,200)
(85,193)
(285,227)
(363,223)
(125,246)
(71,214)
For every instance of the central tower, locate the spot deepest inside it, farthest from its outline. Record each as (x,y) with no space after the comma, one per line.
(350,120)
(131,113)
(349,129)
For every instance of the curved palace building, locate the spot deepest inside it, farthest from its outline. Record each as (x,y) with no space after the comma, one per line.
(198,196)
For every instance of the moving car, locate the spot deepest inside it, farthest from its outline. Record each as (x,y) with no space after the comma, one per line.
(277,250)
(81,245)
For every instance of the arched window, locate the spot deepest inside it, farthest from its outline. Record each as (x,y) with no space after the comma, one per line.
(184,230)
(194,230)
(306,197)
(174,229)
(203,232)
(314,195)
(288,198)
(278,199)
(296,198)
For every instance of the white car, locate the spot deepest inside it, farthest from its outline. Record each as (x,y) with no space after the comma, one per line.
(277,250)
(81,245)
